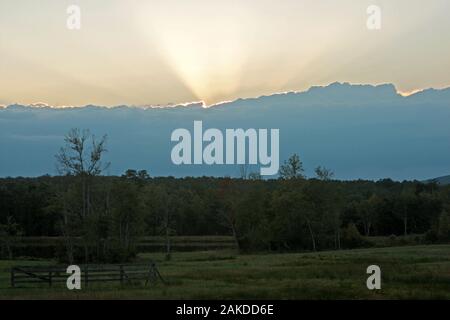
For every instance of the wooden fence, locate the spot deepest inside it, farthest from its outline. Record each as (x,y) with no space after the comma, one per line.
(123,274)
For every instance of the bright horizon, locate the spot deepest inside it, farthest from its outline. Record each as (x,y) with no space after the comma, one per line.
(219,103)
(171,52)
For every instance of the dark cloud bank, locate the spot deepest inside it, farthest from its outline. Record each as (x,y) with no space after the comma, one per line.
(359,131)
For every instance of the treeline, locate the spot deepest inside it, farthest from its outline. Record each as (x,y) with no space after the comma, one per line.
(101,218)
(297,214)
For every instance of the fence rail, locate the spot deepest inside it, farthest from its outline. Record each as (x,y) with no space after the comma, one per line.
(89,273)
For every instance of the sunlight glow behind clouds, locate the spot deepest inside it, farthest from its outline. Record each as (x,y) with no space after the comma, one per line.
(205,50)
(219,48)
(170,51)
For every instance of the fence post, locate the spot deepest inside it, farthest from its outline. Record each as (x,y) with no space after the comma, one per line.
(50,278)
(86,276)
(13,276)
(121,274)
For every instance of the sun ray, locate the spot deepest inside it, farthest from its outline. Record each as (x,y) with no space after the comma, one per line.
(208,55)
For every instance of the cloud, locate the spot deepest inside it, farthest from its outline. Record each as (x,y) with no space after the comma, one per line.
(359,131)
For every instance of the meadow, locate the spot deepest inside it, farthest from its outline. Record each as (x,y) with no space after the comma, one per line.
(408,272)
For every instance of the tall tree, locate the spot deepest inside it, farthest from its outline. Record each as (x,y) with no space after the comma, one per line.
(127,217)
(9,234)
(80,158)
(229,213)
(292,168)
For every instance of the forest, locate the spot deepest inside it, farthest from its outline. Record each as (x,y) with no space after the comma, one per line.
(101,218)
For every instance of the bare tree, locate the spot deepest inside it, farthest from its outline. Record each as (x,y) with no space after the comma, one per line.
(324,174)
(81,157)
(75,158)
(243,170)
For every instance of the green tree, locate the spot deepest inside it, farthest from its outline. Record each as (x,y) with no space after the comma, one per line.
(351,237)
(10,232)
(444,227)
(161,210)
(403,206)
(127,218)
(368,212)
(227,196)
(292,168)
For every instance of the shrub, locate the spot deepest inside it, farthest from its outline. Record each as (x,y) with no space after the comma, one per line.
(431,236)
(351,238)
(444,227)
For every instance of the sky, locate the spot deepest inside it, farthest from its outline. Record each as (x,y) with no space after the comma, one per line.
(138,52)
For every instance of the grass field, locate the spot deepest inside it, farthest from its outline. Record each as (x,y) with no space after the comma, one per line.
(416,272)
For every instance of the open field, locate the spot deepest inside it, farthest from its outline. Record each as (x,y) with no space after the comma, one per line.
(42,247)
(416,272)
